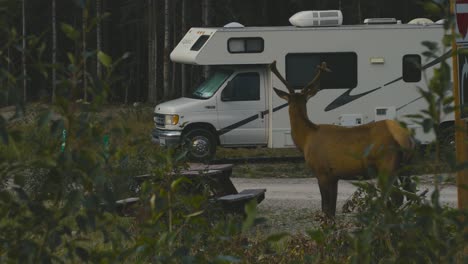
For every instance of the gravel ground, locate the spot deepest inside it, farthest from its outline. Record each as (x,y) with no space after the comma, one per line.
(293,205)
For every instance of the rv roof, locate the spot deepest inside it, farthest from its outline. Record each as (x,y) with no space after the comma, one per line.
(210,46)
(347,27)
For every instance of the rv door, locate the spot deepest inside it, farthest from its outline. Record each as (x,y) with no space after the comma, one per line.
(241,106)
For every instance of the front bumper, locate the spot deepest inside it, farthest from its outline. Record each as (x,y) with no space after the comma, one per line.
(166,138)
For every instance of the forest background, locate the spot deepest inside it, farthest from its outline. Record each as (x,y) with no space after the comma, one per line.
(144,32)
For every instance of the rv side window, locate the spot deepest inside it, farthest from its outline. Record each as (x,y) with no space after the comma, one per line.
(243,87)
(245,45)
(200,42)
(301,69)
(412,68)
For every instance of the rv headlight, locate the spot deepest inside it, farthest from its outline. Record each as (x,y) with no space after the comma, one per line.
(172,119)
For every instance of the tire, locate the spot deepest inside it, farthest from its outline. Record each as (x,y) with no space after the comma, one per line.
(200,144)
(447,137)
(447,144)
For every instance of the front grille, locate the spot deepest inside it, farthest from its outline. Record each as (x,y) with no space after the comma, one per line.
(159,119)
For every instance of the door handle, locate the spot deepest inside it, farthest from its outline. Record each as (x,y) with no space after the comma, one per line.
(210,107)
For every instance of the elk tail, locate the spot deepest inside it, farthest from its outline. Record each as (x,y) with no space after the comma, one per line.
(404,139)
(401,135)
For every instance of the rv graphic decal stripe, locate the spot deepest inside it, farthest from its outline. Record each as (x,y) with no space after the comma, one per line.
(278,108)
(248,120)
(410,102)
(447,55)
(394,81)
(237,125)
(347,98)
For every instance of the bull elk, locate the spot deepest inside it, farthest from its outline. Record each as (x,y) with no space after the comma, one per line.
(335,152)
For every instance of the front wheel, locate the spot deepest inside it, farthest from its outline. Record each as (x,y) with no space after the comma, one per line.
(447,144)
(201,145)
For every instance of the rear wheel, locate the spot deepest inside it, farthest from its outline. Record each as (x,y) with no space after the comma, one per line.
(447,138)
(201,145)
(447,144)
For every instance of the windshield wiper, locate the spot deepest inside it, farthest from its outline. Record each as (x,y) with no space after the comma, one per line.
(198,95)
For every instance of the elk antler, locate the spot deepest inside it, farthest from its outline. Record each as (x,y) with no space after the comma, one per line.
(311,85)
(276,72)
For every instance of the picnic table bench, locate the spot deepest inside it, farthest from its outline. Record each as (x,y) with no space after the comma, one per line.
(216,178)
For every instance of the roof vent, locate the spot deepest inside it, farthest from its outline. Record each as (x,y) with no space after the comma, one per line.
(377,21)
(323,18)
(234,25)
(421,21)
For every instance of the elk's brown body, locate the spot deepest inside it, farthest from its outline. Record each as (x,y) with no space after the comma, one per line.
(336,152)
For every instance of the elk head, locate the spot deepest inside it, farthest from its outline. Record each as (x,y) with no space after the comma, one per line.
(306,93)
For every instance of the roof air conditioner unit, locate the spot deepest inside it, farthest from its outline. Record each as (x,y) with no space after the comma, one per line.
(323,18)
(234,25)
(421,21)
(376,21)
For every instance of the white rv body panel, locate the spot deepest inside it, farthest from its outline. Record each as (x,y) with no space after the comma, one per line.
(379,50)
(183,52)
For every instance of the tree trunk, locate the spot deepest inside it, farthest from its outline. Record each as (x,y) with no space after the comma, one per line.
(156,66)
(98,36)
(167,44)
(206,23)
(264,12)
(359,11)
(23,54)
(149,23)
(83,43)
(175,37)
(54,49)
(152,51)
(183,27)
(7,84)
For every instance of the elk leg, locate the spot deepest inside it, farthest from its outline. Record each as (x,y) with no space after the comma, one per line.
(388,166)
(328,191)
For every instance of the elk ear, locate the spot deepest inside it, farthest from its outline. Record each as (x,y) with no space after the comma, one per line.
(282,94)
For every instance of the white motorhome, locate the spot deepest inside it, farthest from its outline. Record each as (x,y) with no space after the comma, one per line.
(376,69)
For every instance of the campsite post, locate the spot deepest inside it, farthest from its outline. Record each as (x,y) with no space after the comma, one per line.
(460,9)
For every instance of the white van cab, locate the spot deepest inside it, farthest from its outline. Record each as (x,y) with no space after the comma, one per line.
(227,109)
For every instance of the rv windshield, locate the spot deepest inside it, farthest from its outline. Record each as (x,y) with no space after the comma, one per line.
(211,85)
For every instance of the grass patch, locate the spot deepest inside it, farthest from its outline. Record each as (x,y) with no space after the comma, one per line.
(265,170)
(276,170)
(223,153)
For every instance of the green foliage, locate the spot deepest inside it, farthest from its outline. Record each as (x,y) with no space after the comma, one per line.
(58,193)
(61,175)
(70,32)
(104,59)
(419,231)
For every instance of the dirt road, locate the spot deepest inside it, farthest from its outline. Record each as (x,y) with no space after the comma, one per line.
(293,205)
(284,194)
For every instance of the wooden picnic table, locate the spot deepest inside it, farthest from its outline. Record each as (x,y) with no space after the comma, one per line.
(216,178)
